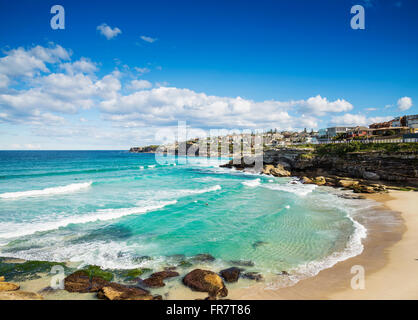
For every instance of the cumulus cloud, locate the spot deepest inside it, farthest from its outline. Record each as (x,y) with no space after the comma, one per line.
(404,103)
(140,84)
(165,105)
(28,63)
(84,65)
(148,39)
(107,31)
(320,105)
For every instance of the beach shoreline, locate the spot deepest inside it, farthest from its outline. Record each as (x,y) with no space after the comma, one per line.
(389,260)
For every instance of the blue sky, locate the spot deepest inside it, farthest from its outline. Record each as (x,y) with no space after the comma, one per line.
(122,71)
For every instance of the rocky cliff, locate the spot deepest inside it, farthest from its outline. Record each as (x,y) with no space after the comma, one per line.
(367,168)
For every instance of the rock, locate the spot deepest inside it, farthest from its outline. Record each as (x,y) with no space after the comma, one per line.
(156,279)
(206,281)
(8,286)
(115,291)
(203,257)
(20,295)
(231,274)
(79,281)
(252,276)
(258,244)
(306,180)
(267,168)
(347,183)
(2,279)
(284,273)
(363,189)
(319,180)
(242,263)
(370,175)
(279,171)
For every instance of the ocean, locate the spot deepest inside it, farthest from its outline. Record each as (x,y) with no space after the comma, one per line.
(121,210)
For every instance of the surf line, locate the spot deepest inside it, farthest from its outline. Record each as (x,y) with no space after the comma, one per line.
(194,311)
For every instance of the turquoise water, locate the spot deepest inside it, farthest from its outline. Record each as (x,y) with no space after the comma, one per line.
(110,208)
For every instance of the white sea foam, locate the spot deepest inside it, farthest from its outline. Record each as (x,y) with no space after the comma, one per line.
(47,191)
(199,191)
(252,183)
(298,189)
(151,166)
(99,215)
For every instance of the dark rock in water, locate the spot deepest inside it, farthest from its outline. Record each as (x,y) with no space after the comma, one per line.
(203,257)
(206,281)
(243,263)
(80,281)
(141,259)
(284,273)
(258,244)
(115,291)
(185,264)
(252,276)
(231,274)
(156,279)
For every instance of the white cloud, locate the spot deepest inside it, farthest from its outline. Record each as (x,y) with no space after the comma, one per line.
(4,81)
(83,65)
(107,31)
(352,120)
(148,39)
(320,106)
(141,71)
(404,103)
(140,84)
(28,63)
(166,105)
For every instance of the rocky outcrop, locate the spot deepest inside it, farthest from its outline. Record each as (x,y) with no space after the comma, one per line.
(277,171)
(156,280)
(81,282)
(206,281)
(115,291)
(230,274)
(341,170)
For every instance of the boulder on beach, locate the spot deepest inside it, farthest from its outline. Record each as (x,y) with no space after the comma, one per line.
(306,180)
(156,280)
(80,282)
(230,274)
(347,183)
(115,291)
(319,180)
(206,281)
(252,276)
(8,286)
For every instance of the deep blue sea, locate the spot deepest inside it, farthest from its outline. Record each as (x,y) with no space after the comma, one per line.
(112,208)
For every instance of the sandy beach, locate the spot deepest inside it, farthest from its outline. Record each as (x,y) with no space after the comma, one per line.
(389,258)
